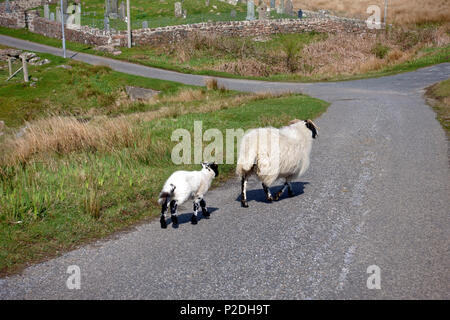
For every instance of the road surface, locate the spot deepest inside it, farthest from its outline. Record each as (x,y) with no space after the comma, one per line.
(377,193)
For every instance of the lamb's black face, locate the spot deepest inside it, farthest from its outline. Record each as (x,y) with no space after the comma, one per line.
(311,127)
(212,166)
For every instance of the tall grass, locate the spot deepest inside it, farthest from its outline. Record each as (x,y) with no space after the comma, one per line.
(312,55)
(63,135)
(59,135)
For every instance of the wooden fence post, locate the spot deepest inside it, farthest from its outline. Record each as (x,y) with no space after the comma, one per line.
(25,69)
(10,66)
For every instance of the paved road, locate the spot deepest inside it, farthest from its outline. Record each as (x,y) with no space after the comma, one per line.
(377,193)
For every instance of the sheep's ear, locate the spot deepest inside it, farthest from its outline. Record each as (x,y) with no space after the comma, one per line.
(294,122)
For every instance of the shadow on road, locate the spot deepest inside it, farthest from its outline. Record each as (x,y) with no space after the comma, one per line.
(258,195)
(186,217)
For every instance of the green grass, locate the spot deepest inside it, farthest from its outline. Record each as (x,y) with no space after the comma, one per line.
(439,95)
(57,200)
(81,90)
(161,13)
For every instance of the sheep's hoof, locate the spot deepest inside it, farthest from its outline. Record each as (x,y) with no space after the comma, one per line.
(269,199)
(194,219)
(290,194)
(175,220)
(244,204)
(163,223)
(206,214)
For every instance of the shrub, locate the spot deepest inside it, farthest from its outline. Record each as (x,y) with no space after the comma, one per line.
(380,50)
(292,50)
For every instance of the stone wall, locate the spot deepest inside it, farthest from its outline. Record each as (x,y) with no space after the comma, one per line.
(19,16)
(85,35)
(155,36)
(23,4)
(245,28)
(22,18)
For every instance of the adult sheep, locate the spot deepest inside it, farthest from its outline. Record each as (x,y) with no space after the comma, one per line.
(274,154)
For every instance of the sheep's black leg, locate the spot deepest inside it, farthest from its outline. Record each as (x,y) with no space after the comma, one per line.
(194,216)
(290,192)
(204,209)
(163,215)
(244,192)
(173,212)
(267,192)
(280,193)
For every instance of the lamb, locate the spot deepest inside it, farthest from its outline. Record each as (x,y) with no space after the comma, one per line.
(286,157)
(184,185)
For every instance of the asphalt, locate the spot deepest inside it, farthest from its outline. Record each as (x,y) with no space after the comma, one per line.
(377,193)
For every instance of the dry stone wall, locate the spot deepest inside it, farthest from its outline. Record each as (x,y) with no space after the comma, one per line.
(20,17)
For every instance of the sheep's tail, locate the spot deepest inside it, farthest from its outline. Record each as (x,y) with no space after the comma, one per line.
(166,193)
(247,154)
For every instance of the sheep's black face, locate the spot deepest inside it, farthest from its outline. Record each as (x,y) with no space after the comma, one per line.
(311,127)
(212,166)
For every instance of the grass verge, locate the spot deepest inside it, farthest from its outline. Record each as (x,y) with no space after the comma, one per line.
(439,98)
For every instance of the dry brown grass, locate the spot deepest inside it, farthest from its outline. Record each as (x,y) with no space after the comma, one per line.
(64,135)
(346,54)
(211,84)
(186,95)
(343,54)
(249,66)
(399,11)
(334,55)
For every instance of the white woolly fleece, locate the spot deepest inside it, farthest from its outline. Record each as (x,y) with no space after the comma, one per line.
(184,185)
(286,157)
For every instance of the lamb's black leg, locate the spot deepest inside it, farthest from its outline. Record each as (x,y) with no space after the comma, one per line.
(204,209)
(244,192)
(267,192)
(173,212)
(163,215)
(194,216)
